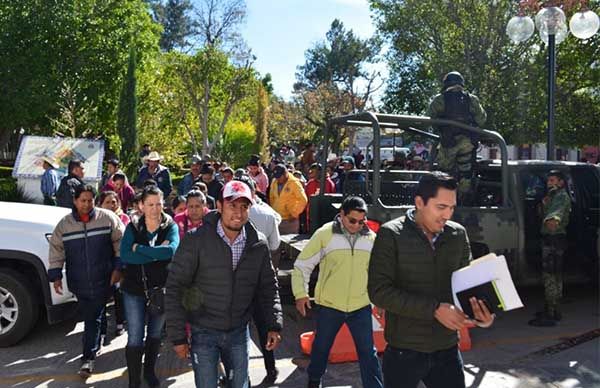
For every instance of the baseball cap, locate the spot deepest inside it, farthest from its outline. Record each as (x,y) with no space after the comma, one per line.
(279,170)
(235,190)
(348,159)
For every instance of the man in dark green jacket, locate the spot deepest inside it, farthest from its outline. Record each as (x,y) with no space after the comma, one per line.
(409,276)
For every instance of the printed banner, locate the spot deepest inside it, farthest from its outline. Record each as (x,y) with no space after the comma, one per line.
(60,150)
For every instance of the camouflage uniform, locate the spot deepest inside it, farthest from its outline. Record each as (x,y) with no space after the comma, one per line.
(456,150)
(556,205)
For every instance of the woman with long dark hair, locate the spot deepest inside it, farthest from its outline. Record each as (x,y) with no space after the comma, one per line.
(147,247)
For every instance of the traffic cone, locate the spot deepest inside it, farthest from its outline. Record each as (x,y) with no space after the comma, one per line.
(464,338)
(343,349)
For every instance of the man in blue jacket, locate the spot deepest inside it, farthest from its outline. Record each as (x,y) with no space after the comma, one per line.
(156,171)
(87,240)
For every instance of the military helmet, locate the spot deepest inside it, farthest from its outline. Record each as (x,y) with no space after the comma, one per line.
(453,78)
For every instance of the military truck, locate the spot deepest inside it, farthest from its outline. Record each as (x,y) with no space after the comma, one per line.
(504,216)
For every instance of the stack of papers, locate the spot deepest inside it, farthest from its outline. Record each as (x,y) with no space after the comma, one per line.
(487,279)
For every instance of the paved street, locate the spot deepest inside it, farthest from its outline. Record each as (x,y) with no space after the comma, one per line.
(510,355)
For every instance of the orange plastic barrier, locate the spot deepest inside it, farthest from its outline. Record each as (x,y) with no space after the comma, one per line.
(464,338)
(343,349)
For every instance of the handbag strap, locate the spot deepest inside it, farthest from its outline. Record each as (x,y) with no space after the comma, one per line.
(145,282)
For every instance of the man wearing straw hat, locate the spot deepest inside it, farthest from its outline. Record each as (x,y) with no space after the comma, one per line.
(156,171)
(50,181)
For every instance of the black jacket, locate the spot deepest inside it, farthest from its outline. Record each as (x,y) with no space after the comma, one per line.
(203,288)
(66,189)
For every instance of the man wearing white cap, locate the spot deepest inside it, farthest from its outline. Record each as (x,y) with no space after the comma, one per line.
(156,171)
(50,181)
(216,274)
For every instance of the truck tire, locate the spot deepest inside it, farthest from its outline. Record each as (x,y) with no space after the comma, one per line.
(18,307)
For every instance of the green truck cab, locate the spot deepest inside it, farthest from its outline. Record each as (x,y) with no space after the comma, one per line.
(504,216)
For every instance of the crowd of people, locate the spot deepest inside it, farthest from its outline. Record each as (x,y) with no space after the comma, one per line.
(199,261)
(124,244)
(203,267)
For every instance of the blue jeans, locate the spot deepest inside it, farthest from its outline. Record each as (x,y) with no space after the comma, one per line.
(135,314)
(360,323)
(92,310)
(404,368)
(232,346)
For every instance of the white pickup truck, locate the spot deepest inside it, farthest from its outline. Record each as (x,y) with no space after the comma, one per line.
(24,287)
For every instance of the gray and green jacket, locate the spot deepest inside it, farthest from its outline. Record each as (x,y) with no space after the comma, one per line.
(558,207)
(343,267)
(409,277)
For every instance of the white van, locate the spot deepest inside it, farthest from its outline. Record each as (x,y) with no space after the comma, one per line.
(24,286)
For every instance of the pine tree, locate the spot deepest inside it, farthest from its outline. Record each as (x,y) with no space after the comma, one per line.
(127,117)
(177,24)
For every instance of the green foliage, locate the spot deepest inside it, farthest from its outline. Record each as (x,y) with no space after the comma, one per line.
(340,59)
(10,192)
(5,172)
(328,81)
(177,23)
(83,43)
(262,123)
(209,89)
(237,144)
(430,38)
(127,117)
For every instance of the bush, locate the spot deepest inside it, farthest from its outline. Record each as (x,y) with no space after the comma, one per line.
(5,172)
(10,192)
(237,144)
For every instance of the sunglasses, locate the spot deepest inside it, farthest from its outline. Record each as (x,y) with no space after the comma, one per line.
(354,221)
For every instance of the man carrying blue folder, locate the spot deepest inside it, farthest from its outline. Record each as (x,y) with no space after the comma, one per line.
(409,276)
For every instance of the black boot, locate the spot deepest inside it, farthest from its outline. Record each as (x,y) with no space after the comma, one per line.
(544,320)
(133,355)
(151,354)
(314,384)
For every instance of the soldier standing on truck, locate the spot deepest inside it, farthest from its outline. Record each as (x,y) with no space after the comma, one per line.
(556,207)
(457,146)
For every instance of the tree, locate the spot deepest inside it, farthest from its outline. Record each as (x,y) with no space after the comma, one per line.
(177,23)
(76,113)
(214,88)
(262,122)
(430,38)
(219,75)
(127,116)
(219,22)
(335,72)
(45,44)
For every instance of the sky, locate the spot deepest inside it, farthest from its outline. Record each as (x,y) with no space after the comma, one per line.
(280,31)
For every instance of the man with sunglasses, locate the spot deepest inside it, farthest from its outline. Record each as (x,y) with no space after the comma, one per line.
(342,249)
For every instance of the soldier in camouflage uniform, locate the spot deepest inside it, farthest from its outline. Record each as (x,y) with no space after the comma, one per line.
(556,207)
(456,153)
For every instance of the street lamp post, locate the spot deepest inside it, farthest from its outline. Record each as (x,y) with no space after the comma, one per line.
(551,24)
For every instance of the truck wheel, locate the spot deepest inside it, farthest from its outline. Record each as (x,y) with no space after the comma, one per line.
(18,308)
